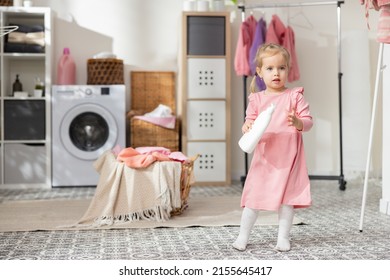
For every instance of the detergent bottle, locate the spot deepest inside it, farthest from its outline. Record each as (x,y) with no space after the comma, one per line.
(17,85)
(66,72)
(249,140)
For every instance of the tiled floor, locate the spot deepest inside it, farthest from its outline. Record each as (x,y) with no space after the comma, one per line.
(330,232)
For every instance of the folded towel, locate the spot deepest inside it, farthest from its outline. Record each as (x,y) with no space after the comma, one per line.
(160,112)
(22,48)
(34,38)
(161,116)
(28,28)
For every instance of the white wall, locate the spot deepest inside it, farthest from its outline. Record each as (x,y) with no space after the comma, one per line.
(146,34)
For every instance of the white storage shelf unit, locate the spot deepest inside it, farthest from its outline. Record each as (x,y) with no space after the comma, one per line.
(25,148)
(206,95)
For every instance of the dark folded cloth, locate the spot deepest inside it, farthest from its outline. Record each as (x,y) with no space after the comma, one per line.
(28,28)
(23,48)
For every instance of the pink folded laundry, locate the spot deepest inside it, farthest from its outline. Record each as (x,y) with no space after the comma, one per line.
(149,150)
(133,158)
(167,122)
(176,156)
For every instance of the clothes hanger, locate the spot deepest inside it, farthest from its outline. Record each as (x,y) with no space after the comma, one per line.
(262,13)
(300,20)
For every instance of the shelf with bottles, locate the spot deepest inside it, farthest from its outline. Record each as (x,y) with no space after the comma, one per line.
(29,74)
(25,147)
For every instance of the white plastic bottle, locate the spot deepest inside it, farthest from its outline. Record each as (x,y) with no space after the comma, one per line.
(66,72)
(250,139)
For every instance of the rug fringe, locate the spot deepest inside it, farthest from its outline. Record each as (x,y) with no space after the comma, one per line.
(158,213)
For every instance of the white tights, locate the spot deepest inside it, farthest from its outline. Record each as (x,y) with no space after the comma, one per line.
(286,216)
(248,219)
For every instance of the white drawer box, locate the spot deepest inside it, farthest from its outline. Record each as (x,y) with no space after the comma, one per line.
(206,120)
(24,164)
(211,164)
(206,78)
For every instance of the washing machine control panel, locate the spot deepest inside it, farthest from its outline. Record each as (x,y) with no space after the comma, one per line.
(86,91)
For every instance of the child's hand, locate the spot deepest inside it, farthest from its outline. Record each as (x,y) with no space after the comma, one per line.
(247,126)
(293,120)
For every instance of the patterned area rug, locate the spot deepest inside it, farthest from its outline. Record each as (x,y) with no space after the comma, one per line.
(54,214)
(331,232)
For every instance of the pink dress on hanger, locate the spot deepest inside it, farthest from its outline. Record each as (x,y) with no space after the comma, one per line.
(275,31)
(244,43)
(278,173)
(289,44)
(278,33)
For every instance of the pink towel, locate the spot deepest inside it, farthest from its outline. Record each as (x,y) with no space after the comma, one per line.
(142,157)
(177,156)
(134,159)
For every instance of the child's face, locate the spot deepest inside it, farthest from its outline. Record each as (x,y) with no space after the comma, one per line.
(274,72)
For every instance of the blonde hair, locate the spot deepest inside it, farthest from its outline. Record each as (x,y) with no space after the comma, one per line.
(268,50)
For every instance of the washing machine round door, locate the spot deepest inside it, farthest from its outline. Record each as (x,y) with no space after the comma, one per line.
(88,130)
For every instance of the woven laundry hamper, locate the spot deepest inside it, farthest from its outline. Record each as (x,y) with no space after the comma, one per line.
(186,181)
(105,71)
(148,90)
(6,2)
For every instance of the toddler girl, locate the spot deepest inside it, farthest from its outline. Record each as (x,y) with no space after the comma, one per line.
(277,179)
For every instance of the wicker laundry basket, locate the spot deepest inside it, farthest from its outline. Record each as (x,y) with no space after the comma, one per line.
(148,90)
(105,71)
(6,2)
(186,180)
(148,134)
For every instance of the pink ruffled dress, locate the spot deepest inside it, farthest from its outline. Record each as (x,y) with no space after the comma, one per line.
(278,173)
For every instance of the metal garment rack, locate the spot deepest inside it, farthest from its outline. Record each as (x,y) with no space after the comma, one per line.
(340,178)
(379,68)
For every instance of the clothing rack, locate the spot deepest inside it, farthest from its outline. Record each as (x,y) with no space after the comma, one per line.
(340,178)
(379,68)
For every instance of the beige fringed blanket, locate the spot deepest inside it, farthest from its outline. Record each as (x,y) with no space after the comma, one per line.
(125,194)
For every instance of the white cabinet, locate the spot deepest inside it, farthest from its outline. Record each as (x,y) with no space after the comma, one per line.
(207,121)
(25,148)
(206,95)
(207,78)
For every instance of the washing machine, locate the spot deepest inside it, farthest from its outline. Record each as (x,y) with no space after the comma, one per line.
(87,120)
